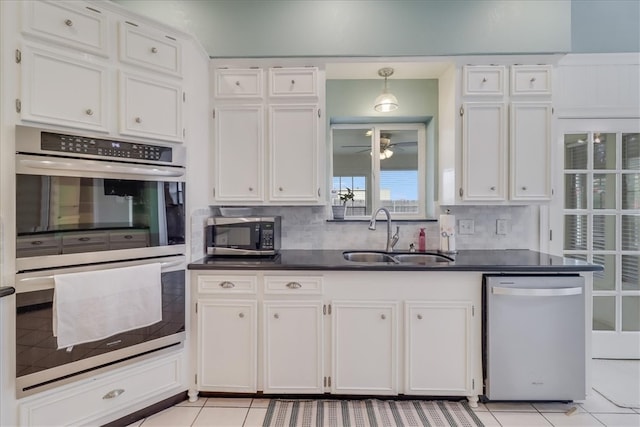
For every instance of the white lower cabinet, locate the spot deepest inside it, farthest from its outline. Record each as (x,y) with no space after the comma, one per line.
(293,350)
(364,347)
(437,338)
(227,345)
(105,397)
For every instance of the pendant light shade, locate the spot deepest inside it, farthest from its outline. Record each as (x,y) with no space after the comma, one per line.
(386,101)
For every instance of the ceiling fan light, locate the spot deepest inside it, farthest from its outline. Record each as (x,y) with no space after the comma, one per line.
(386,154)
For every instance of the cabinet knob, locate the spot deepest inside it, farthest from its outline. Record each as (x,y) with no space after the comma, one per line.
(293,82)
(493,188)
(68,22)
(138,120)
(280,189)
(241,315)
(250,188)
(524,188)
(484,80)
(113,393)
(293,285)
(276,316)
(227,285)
(89,112)
(237,83)
(419,316)
(154,50)
(383,316)
(533,79)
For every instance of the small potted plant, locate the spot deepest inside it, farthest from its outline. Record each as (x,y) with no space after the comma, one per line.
(339,210)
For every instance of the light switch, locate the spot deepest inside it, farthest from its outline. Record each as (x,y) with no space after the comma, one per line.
(466,226)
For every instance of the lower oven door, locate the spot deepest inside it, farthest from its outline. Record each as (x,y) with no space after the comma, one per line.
(39,363)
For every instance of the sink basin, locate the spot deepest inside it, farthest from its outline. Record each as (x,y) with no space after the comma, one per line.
(416,258)
(369,257)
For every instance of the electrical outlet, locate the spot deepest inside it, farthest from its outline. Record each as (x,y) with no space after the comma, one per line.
(466,226)
(502,226)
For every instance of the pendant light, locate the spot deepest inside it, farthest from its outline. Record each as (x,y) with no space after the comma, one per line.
(386,101)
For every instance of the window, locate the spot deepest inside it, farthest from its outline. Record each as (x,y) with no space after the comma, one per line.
(394,178)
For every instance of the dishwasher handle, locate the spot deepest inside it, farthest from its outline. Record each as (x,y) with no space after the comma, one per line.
(536,292)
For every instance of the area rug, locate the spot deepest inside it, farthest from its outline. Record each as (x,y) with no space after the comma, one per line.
(369,413)
(618,381)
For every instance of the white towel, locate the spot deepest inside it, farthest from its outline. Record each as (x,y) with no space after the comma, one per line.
(94,305)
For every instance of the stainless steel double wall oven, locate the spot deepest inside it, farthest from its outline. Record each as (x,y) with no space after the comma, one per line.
(87,203)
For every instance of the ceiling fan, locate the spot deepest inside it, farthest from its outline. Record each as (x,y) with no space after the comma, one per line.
(385,145)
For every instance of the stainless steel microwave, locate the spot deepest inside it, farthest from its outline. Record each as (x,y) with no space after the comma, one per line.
(247,236)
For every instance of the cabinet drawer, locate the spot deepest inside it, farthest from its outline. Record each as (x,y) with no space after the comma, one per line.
(84,238)
(36,241)
(293,285)
(125,236)
(93,400)
(236,83)
(155,51)
(293,82)
(84,28)
(483,80)
(227,284)
(531,80)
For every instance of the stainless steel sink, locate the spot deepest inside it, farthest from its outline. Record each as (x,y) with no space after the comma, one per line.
(396,258)
(417,258)
(360,256)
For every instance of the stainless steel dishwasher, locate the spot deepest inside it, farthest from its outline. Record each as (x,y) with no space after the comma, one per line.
(534,338)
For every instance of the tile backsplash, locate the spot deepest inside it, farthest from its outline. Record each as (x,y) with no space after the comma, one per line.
(306,227)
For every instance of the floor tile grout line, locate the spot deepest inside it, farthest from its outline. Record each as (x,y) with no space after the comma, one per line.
(196,418)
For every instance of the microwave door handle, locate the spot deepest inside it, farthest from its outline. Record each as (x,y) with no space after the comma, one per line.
(89,165)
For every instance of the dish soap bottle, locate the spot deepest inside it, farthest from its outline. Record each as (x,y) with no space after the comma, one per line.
(422,241)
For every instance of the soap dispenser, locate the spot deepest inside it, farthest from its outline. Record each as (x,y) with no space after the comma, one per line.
(422,241)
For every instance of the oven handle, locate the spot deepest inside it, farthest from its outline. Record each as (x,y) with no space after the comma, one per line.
(89,165)
(44,279)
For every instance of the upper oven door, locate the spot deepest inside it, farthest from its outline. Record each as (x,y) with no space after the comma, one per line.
(74,211)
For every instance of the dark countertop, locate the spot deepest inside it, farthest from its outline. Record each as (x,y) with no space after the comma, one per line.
(510,260)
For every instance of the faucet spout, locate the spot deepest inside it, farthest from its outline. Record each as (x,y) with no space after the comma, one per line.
(372,226)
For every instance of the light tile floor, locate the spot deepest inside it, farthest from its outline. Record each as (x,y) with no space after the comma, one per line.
(596,410)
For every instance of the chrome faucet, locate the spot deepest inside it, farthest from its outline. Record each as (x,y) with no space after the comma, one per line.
(391,241)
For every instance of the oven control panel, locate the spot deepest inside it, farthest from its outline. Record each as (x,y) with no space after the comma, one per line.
(104,148)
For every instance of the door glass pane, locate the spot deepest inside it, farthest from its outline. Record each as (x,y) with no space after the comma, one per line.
(575,151)
(631,313)
(604,313)
(604,191)
(631,191)
(630,232)
(399,170)
(352,169)
(581,257)
(575,191)
(604,232)
(630,276)
(630,151)
(575,232)
(605,280)
(604,150)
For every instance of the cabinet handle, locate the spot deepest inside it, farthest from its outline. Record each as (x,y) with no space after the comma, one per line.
(68,22)
(128,236)
(318,191)
(37,242)
(419,316)
(276,316)
(113,393)
(138,120)
(227,285)
(89,112)
(84,239)
(524,188)
(293,285)
(383,316)
(154,50)
(493,188)
(241,315)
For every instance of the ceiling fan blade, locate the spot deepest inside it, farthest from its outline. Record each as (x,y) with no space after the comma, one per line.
(404,143)
(355,146)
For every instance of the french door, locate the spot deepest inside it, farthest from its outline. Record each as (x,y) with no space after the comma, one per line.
(598,211)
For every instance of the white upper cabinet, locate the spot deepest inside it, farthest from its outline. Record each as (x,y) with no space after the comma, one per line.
(75,25)
(506,137)
(275,136)
(150,108)
(150,49)
(63,90)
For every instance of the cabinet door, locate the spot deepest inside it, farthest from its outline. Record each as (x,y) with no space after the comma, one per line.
(150,49)
(294,153)
(437,358)
(530,128)
(227,345)
(238,154)
(293,352)
(150,108)
(63,90)
(364,347)
(484,152)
